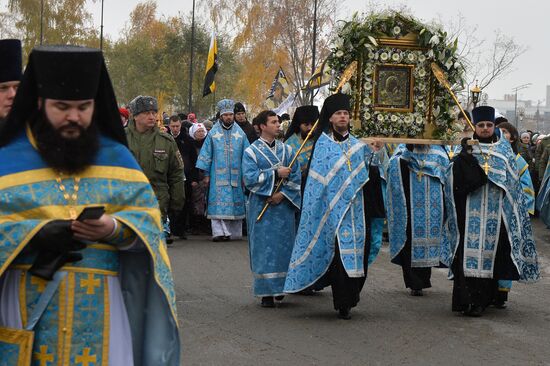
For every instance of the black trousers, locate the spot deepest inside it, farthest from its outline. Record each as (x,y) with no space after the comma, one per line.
(415,278)
(482,291)
(345,289)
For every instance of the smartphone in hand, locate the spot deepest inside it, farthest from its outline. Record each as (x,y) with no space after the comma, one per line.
(91,213)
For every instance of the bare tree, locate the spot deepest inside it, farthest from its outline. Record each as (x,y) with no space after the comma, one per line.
(485,60)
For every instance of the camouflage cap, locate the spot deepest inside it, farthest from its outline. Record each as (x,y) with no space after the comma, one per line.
(142,104)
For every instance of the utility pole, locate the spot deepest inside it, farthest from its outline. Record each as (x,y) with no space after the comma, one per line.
(515,90)
(101,31)
(314,48)
(41,21)
(191,61)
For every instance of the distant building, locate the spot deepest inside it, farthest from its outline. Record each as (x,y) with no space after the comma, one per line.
(531,115)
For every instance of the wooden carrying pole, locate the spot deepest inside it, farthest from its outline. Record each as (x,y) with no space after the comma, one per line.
(347,75)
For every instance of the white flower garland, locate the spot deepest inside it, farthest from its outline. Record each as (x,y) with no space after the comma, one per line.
(358,37)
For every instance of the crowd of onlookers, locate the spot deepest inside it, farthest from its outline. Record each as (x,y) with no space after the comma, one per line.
(189,134)
(534,147)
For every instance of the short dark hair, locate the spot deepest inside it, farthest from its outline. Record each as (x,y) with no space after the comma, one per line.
(514,132)
(175,118)
(500,120)
(263,116)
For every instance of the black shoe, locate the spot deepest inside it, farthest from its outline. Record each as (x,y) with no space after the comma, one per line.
(226,238)
(475,311)
(307,292)
(267,302)
(169,241)
(218,238)
(280,297)
(343,313)
(499,304)
(417,293)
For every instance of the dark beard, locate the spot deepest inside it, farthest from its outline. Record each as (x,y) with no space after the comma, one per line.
(65,155)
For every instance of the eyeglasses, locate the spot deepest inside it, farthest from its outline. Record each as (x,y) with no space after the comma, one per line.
(485,125)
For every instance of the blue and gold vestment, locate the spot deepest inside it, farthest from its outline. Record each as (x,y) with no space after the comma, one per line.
(221,158)
(543,197)
(526,183)
(427,168)
(295,141)
(271,239)
(500,201)
(76,325)
(332,208)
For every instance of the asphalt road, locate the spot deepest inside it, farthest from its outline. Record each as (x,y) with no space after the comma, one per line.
(223,324)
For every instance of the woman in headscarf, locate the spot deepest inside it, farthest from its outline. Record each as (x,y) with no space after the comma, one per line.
(198,222)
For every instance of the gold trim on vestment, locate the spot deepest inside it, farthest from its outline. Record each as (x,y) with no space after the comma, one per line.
(21,337)
(70,318)
(60,212)
(106,322)
(61,321)
(71,269)
(23,298)
(94,171)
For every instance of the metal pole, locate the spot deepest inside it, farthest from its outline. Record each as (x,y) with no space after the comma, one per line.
(314,48)
(516,110)
(101,32)
(191,61)
(516,89)
(41,21)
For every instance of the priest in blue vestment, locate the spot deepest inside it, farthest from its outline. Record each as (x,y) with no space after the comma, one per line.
(221,158)
(76,291)
(270,239)
(302,122)
(333,241)
(416,176)
(488,234)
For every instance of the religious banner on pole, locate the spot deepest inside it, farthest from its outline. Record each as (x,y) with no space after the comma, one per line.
(279,91)
(320,77)
(211,67)
(286,104)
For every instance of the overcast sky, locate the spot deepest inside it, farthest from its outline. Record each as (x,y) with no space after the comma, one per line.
(528,21)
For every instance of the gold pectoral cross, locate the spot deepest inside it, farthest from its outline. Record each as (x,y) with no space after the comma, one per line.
(419,175)
(349,165)
(486,167)
(451,154)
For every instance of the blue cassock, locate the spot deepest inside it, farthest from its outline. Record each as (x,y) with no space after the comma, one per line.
(543,198)
(332,207)
(500,200)
(270,239)
(221,157)
(427,169)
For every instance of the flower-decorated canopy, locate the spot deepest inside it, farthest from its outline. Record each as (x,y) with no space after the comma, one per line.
(394,93)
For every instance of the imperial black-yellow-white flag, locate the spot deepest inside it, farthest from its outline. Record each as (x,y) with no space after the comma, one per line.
(279,91)
(320,77)
(211,67)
